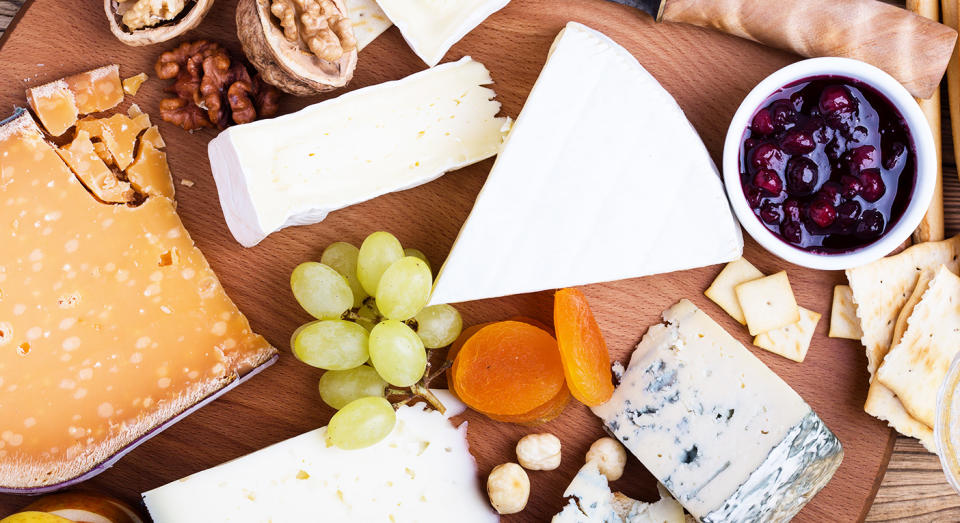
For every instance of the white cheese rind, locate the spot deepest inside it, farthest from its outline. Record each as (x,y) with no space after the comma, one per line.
(294,169)
(432,27)
(422,472)
(727,437)
(602,179)
(369,21)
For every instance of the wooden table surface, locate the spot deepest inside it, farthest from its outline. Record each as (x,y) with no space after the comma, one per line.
(914,488)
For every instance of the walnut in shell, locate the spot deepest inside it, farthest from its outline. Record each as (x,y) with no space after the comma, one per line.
(301,46)
(146,22)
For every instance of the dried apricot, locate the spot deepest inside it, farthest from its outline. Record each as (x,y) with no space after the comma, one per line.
(508,368)
(542,414)
(457,345)
(586,361)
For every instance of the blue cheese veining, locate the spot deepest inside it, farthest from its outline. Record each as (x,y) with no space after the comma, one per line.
(727,437)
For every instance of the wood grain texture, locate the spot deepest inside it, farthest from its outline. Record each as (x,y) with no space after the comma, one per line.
(273,408)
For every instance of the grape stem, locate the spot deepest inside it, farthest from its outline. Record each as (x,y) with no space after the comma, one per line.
(421,390)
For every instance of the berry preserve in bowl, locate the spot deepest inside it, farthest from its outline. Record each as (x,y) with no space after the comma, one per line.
(828,165)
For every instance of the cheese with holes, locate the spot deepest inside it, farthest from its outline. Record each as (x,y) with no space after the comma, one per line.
(723,433)
(294,169)
(421,472)
(111,321)
(432,27)
(58,104)
(601,179)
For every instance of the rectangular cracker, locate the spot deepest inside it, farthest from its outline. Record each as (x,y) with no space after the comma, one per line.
(768,303)
(843,315)
(883,404)
(916,366)
(722,292)
(792,341)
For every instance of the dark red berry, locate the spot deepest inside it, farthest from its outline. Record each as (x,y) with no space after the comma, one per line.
(782,114)
(822,213)
(791,210)
(762,122)
(767,156)
(797,142)
(873,186)
(769,181)
(750,143)
(850,186)
(892,155)
(837,98)
(754,197)
(848,212)
(860,158)
(801,176)
(842,121)
(792,232)
(834,150)
(871,224)
(830,193)
(771,213)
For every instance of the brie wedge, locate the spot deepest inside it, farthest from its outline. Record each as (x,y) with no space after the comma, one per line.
(602,178)
(422,471)
(431,27)
(369,21)
(294,169)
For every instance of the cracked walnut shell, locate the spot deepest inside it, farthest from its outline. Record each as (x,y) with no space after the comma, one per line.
(147,22)
(301,46)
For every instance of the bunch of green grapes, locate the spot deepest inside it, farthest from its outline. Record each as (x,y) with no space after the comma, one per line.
(372,330)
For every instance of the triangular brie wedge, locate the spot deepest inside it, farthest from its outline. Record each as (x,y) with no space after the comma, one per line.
(602,178)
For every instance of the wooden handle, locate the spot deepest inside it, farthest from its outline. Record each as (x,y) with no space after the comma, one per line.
(951,17)
(931,228)
(912,49)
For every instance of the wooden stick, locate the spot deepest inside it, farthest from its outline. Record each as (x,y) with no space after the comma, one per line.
(950,18)
(931,228)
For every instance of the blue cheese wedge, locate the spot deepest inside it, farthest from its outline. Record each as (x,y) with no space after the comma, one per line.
(421,472)
(431,27)
(602,179)
(727,437)
(294,169)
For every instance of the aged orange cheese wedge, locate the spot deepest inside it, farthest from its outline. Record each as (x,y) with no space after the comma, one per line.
(152,135)
(149,174)
(81,156)
(58,104)
(111,321)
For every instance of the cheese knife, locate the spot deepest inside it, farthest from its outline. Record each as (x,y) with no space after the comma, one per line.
(911,48)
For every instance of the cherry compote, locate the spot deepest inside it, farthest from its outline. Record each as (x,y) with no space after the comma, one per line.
(828,164)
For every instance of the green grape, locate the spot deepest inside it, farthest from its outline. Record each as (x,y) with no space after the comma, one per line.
(397,353)
(339,387)
(361,423)
(368,315)
(417,253)
(404,288)
(342,257)
(438,325)
(331,344)
(377,252)
(321,290)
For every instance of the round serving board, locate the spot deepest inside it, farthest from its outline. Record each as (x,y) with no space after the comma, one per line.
(707,72)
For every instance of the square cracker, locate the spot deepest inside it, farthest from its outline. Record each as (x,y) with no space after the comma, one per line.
(843,315)
(880,289)
(917,365)
(792,341)
(768,303)
(721,291)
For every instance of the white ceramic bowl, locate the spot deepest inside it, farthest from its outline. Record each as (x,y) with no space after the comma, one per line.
(926,161)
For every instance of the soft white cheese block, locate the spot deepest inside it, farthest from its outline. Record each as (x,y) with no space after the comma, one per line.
(369,21)
(431,27)
(729,438)
(294,169)
(422,472)
(591,501)
(602,178)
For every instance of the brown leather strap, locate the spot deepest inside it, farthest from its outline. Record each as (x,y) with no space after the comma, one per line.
(912,49)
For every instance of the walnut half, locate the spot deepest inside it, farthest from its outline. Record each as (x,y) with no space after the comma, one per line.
(301,46)
(146,22)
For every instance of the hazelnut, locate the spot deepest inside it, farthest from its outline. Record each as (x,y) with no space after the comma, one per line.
(610,457)
(539,451)
(508,488)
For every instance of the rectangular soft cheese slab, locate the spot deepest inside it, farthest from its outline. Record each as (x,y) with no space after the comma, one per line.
(602,179)
(421,472)
(111,321)
(432,27)
(294,169)
(729,438)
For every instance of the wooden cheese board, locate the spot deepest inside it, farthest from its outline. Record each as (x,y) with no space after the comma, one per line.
(707,72)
